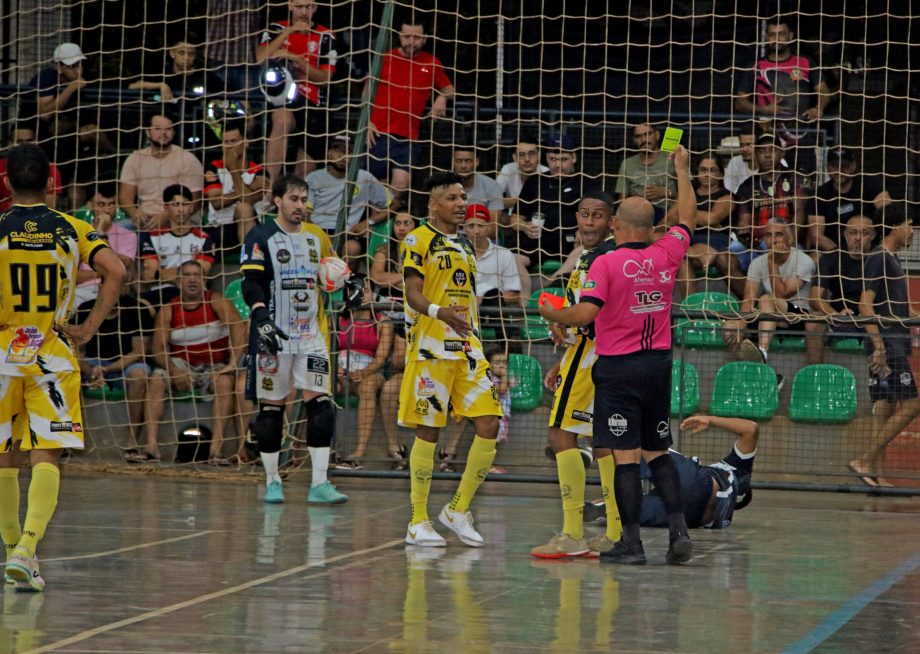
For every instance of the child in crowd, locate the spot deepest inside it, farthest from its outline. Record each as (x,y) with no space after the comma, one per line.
(497,356)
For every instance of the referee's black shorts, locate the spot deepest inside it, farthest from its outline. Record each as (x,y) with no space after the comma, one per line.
(632,401)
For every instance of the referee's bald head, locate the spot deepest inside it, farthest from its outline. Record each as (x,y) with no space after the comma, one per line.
(636,213)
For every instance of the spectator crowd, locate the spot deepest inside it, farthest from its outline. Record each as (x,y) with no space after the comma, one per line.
(790,229)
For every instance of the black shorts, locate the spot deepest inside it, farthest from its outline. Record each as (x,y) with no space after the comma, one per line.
(899,384)
(632,401)
(311,130)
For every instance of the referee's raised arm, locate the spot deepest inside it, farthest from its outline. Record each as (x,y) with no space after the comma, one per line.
(686,196)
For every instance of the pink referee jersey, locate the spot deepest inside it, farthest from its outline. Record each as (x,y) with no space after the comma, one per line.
(634,287)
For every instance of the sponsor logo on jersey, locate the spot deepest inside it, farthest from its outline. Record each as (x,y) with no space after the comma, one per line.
(283,255)
(589,285)
(639,271)
(66,425)
(25,345)
(664,429)
(421,407)
(459,278)
(648,302)
(425,387)
(257,254)
(411,240)
(457,346)
(416,259)
(295,283)
(679,235)
(267,364)
(268,384)
(906,379)
(582,416)
(617,424)
(93,236)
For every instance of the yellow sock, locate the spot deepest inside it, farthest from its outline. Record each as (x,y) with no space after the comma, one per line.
(572,486)
(10,531)
(421,465)
(43,496)
(606,465)
(478,462)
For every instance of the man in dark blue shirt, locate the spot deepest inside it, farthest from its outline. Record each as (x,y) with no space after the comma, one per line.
(710,494)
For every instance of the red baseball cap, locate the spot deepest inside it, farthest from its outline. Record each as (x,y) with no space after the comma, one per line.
(479,212)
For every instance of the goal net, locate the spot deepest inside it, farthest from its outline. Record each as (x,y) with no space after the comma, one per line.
(803,118)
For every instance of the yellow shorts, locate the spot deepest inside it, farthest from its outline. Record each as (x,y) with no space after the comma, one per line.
(573,402)
(43,413)
(429,388)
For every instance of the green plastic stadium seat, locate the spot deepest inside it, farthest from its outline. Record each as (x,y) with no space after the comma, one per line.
(532,302)
(526,382)
(745,390)
(107,393)
(547,268)
(823,393)
(711,272)
(788,343)
(691,389)
(848,345)
(488,334)
(704,334)
(535,329)
(234,293)
(699,334)
(349,401)
(710,301)
(186,396)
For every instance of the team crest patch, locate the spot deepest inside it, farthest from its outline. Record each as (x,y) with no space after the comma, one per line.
(589,285)
(25,345)
(460,278)
(257,254)
(411,240)
(283,255)
(421,407)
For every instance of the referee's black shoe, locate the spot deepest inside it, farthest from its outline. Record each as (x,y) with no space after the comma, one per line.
(625,554)
(680,550)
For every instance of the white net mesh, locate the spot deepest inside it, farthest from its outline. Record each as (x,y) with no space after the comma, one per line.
(586,81)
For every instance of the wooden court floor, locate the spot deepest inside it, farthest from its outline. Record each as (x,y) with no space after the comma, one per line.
(159,564)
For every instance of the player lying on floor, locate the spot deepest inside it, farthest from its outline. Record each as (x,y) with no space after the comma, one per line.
(711,494)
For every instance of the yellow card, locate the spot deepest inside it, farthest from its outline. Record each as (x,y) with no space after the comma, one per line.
(671,139)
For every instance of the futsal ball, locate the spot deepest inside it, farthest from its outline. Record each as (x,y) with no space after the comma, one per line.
(332,273)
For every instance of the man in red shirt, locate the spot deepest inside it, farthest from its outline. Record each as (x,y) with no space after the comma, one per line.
(18,136)
(309,52)
(407,78)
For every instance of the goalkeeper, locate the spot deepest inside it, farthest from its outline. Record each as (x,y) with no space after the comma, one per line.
(280,265)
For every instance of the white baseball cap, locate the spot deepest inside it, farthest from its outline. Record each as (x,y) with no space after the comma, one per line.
(68,54)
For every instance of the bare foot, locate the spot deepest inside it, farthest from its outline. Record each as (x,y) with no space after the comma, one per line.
(863,473)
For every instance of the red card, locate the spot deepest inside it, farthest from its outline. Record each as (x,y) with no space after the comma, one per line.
(553,300)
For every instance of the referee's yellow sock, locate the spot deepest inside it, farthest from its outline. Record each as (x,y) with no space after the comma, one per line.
(606,466)
(478,462)
(10,530)
(43,496)
(421,465)
(572,486)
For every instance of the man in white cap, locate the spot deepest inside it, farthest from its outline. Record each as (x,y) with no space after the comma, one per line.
(63,116)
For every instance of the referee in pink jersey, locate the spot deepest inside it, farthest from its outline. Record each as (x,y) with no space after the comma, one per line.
(628,295)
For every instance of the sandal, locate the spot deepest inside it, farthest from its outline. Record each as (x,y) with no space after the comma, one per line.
(400,457)
(142,457)
(447,461)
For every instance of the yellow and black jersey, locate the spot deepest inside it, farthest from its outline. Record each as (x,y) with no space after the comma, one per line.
(448,264)
(579,275)
(40,251)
